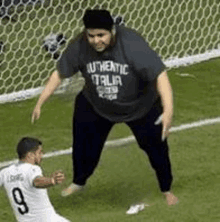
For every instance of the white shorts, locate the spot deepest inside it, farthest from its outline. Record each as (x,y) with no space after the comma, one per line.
(47,218)
(58,218)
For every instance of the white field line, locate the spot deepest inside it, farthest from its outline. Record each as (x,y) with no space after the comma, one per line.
(127,140)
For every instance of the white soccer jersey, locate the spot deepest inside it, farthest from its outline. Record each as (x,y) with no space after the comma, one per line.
(30,204)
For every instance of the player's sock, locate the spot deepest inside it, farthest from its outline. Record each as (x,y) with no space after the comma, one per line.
(72,188)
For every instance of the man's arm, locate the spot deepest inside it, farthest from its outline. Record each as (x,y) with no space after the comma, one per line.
(45,182)
(165,91)
(51,85)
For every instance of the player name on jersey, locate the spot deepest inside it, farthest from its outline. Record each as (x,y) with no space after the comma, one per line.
(14,178)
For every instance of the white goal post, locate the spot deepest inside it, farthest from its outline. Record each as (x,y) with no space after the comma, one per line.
(33,34)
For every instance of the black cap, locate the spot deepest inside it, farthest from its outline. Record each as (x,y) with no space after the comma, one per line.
(98,19)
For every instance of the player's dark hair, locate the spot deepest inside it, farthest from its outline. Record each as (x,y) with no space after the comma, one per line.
(27,144)
(98,19)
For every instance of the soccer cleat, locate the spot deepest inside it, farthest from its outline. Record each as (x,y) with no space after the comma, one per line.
(134,209)
(72,188)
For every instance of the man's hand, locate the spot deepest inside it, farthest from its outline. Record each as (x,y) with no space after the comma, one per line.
(36,114)
(166,120)
(52,84)
(58,177)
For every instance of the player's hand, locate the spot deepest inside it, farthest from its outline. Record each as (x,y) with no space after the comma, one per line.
(166,120)
(58,176)
(36,114)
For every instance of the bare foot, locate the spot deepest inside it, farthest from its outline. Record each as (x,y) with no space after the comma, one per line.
(171,199)
(72,188)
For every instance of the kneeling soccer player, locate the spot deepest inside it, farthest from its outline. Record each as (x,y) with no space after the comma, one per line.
(25,185)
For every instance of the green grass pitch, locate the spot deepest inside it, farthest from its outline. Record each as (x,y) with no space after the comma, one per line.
(124,175)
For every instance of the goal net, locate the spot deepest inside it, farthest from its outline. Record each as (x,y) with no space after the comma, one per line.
(34,33)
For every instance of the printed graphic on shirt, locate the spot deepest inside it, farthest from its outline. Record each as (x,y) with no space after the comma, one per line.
(107,77)
(15,178)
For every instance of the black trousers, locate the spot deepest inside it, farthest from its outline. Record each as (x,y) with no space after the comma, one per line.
(90,132)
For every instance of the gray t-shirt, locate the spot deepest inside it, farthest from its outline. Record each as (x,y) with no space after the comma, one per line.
(120,82)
